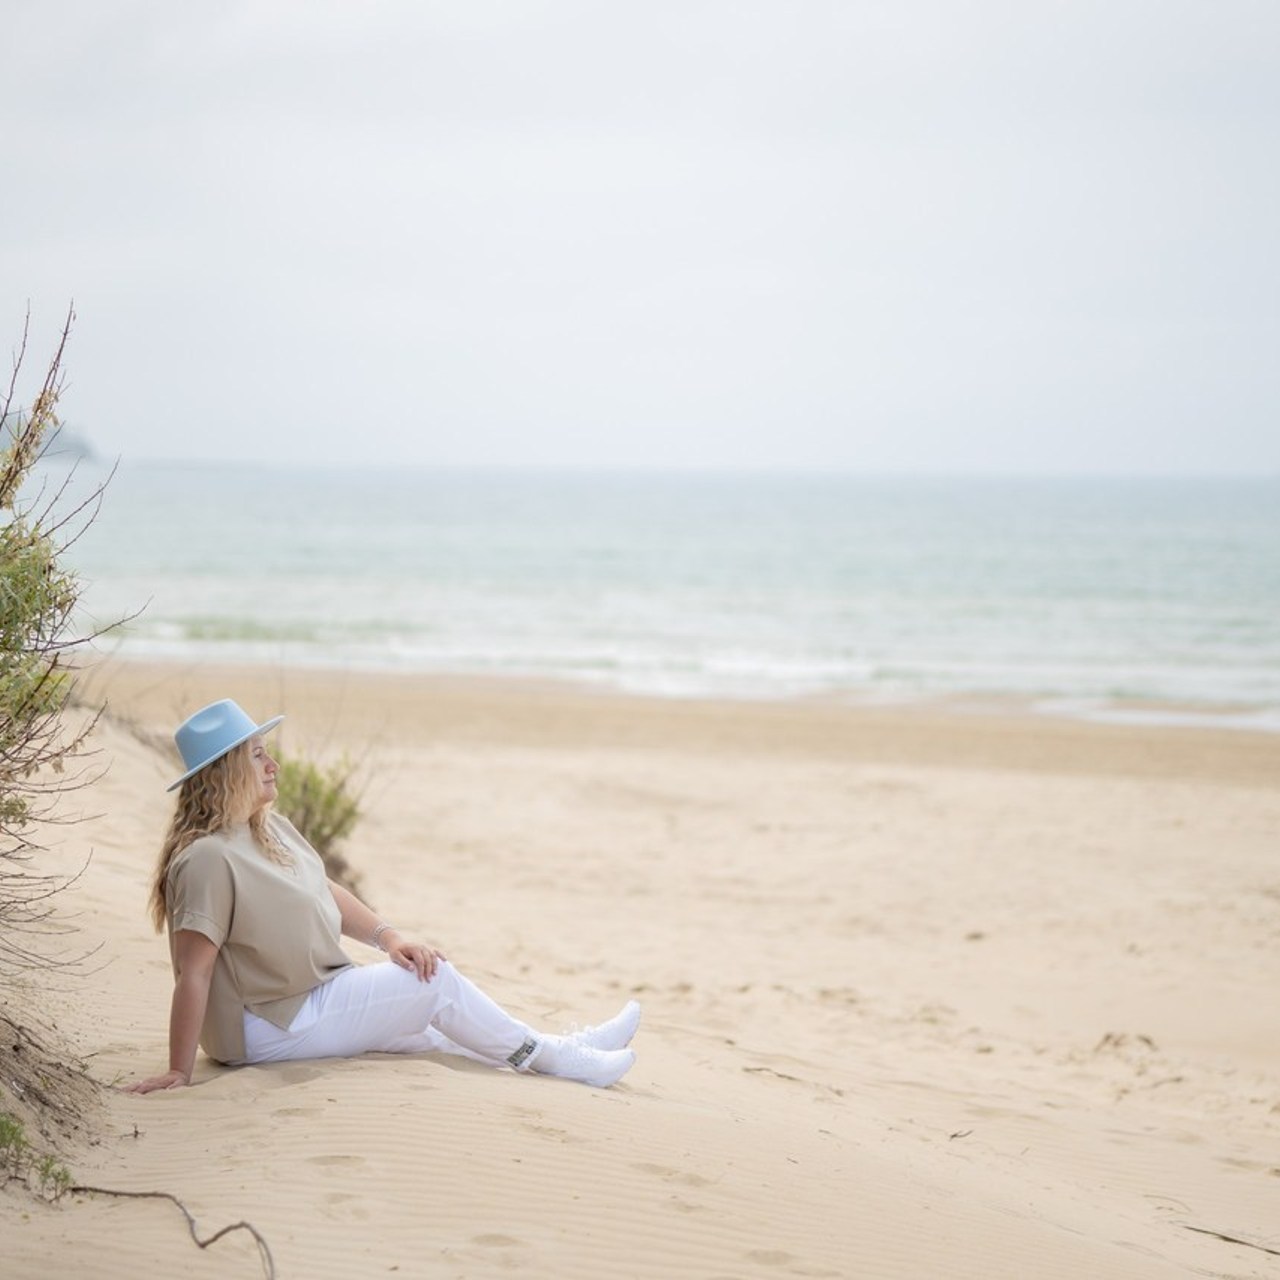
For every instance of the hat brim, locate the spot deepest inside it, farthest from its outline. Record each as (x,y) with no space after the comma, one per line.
(265,727)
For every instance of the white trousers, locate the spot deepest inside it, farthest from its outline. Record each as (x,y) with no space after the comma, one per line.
(384,1008)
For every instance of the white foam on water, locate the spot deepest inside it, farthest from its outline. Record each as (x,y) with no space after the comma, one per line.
(1114,599)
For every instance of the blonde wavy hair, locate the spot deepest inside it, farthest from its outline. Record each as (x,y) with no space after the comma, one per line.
(217,797)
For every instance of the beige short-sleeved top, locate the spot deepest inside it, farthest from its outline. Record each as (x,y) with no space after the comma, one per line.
(277,928)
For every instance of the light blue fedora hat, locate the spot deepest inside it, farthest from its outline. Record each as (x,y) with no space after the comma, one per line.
(211,732)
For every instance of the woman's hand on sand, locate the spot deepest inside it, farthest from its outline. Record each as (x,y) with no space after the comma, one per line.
(170,1080)
(423,960)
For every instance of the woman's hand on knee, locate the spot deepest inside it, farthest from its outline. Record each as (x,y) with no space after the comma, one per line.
(423,960)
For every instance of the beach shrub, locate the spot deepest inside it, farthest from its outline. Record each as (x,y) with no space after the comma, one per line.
(39,596)
(322,803)
(20,1162)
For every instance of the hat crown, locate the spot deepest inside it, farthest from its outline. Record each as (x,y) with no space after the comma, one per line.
(211,731)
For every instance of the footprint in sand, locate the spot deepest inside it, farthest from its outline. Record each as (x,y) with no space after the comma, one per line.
(550,1131)
(673,1175)
(346,1207)
(781,1258)
(686,1206)
(1249,1166)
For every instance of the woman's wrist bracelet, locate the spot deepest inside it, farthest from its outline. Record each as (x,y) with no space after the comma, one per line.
(375,941)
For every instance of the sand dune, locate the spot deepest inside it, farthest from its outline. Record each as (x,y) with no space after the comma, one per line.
(927,993)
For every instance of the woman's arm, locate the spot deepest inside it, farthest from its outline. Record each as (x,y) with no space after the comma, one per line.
(194,956)
(362,923)
(358,921)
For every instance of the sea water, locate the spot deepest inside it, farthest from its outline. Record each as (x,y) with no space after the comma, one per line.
(1079,594)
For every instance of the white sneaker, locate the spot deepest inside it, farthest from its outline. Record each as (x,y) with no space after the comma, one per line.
(570,1059)
(617,1033)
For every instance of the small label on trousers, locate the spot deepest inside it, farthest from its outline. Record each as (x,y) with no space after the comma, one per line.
(522,1054)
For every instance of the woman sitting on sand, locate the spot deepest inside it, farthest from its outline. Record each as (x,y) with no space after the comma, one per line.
(254,924)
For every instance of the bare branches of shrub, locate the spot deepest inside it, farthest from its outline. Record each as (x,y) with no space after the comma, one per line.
(42,747)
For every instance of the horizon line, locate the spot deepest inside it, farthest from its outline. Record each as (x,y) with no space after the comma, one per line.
(722,470)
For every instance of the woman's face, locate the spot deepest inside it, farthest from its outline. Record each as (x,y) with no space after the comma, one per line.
(264,770)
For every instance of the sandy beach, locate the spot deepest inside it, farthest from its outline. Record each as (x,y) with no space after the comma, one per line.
(928,992)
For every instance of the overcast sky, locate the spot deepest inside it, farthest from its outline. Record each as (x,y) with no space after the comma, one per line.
(917,235)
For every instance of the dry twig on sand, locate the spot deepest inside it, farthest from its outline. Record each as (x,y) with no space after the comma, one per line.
(264,1250)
